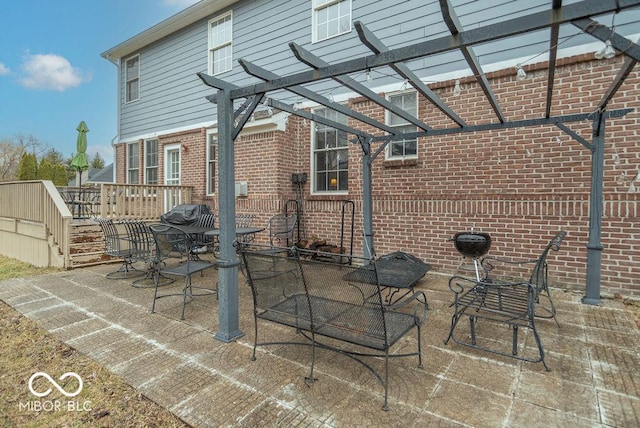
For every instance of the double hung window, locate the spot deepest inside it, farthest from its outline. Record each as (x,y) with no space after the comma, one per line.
(151,161)
(212,145)
(406,148)
(330,18)
(133,163)
(132,78)
(330,154)
(220,37)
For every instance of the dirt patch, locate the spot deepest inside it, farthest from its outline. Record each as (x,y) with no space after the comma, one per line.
(634,307)
(105,400)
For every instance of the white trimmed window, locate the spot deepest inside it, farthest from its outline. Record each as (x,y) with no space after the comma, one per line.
(133,163)
(406,148)
(220,37)
(132,78)
(330,154)
(330,18)
(151,161)
(212,145)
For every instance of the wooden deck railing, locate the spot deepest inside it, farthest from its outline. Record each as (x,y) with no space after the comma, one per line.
(120,201)
(36,217)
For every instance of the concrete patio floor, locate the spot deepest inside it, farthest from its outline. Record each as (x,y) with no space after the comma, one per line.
(594,359)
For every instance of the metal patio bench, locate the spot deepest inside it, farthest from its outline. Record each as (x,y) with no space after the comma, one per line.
(333,308)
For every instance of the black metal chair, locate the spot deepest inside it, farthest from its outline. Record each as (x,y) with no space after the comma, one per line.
(281,229)
(242,220)
(174,258)
(118,245)
(503,301)
(204,243)
(143,249)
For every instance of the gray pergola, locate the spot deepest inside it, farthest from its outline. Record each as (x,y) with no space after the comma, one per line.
(230,122)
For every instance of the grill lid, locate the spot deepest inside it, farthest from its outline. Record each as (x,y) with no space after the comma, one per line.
(472,244)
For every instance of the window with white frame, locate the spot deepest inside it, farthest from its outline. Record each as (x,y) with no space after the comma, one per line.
(220,36)
(133,163)
(151,161)
(132,78)
(212,145)
(406,148)
(330,161)
(330,18)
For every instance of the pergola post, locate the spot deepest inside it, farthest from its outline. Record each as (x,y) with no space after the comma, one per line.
(594,246)
(367,197)
(228,308)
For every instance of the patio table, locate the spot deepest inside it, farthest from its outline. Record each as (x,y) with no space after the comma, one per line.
(240,231)
(398,272)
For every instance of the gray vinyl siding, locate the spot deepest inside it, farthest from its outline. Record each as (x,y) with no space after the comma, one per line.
(171,95)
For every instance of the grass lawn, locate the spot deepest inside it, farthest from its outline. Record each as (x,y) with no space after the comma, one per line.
(106,400)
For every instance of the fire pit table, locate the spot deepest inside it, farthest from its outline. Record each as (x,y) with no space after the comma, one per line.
(398,273)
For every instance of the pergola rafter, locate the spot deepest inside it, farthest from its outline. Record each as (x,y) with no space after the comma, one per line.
(553,54)
(372,42)
(266,75)
(450,18)
(578,14)
(313,61)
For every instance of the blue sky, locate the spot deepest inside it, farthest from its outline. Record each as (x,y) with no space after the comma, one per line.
(52,75)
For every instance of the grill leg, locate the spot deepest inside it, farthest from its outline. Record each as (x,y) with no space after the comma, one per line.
(472,325)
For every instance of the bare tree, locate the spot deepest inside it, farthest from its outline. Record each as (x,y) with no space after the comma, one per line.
(10,155)
(31,144)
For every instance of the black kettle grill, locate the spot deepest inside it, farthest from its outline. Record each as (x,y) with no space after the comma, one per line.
(473,245)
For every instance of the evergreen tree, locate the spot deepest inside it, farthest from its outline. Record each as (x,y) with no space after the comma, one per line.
(59,176)
(28,167)
(97,162)
(45,171)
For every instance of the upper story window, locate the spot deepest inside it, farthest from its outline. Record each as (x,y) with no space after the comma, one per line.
(220,34)
(133,164)
(212,144)
(330,161)
(132,78)
(330,18)
(151,161)
(406,148)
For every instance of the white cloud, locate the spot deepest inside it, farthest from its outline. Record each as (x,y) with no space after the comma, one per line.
(52,72)
(4,70)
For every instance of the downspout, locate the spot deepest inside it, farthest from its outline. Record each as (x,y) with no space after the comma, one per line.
(116,137)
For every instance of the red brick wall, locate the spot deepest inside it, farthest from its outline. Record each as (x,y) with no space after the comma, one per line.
(520,185)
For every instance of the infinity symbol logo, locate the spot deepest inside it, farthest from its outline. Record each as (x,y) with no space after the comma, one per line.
(54,383)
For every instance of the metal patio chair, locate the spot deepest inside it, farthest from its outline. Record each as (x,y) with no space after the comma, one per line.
(173,258)
(281,228)
(202,242)
(143,249)
(117,244)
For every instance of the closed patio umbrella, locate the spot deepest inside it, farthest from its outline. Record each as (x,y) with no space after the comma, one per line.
(80,162)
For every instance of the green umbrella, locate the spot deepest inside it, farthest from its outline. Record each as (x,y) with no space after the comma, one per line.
(80,162)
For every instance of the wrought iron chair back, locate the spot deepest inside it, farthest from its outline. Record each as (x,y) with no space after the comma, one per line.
(117,244)
(281,229)
(173,258)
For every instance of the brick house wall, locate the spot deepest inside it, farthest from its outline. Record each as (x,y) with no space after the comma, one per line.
(520,185)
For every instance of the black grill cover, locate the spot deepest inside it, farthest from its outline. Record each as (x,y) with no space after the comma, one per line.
(184,214)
